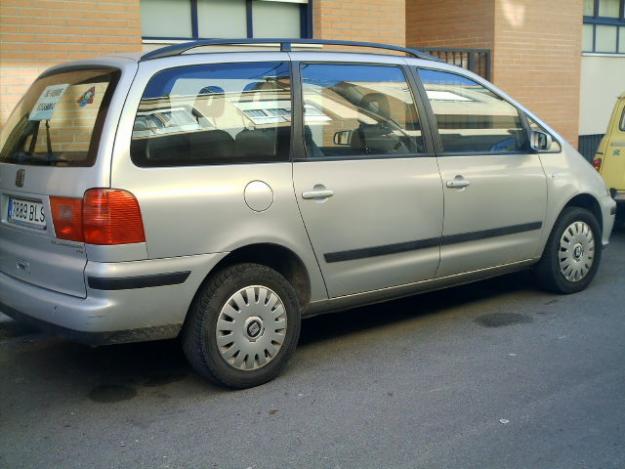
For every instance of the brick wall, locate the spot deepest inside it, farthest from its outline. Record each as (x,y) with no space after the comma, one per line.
(450,23)
(361,20)
(536,44)
(35,34)
(537,58)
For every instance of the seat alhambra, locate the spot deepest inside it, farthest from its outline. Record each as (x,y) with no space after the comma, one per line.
(220,196)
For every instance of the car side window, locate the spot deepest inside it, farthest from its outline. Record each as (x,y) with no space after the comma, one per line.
(359,110)
(622,126)
(214,114)
(470,117)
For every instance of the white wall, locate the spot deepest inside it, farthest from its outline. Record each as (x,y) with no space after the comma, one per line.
(603,81)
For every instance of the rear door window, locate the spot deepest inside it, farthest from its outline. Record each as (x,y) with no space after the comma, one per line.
(59,120)
(214,114)
(359,110)
(470,117)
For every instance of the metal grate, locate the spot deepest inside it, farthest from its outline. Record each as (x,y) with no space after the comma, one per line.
(476,60)
(588,145)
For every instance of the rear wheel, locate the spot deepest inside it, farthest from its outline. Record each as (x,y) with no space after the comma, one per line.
(572,254)
(243,326)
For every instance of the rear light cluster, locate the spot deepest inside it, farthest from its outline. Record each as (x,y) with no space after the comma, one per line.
(102,216)
(596,163)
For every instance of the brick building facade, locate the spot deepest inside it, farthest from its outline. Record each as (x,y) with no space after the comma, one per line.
(37,34)
(535,46)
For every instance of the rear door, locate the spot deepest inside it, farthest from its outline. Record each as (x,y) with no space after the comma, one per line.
(368,190)
(613,167)
(495,189)
(48,148)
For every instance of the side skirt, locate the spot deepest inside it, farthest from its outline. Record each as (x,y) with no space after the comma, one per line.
(401,291)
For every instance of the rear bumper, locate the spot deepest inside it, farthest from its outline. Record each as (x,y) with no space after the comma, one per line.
(126,301)
(619,210)
(608,210)
(619,196)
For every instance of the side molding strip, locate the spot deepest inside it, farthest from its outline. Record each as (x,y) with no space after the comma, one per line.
(143,281)
(386,249)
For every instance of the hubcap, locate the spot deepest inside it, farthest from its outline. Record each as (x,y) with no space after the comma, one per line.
(251,328)
(577,251)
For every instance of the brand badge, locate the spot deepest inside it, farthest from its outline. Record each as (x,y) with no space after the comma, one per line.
(253,329)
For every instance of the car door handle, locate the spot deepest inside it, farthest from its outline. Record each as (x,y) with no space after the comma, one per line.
(318,194)
(458,183)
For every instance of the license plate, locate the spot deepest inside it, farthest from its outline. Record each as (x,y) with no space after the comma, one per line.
(27,212)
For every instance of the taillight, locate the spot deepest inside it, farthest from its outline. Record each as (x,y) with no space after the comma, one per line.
(102,216)
(111,216)
(596,163)
(67,217)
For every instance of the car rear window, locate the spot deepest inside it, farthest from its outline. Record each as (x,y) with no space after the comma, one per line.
(59,120)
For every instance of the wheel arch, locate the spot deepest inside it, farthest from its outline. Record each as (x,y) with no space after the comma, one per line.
(583,200)
(275,256)
(590,203)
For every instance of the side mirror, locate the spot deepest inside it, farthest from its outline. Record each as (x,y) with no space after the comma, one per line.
(540,141)
(343,137)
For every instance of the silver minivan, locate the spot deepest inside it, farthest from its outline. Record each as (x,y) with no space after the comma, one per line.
(221,196)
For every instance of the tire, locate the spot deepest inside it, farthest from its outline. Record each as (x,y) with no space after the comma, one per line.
(256,309)
(551,272)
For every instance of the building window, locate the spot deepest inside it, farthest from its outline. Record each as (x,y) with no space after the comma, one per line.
(604,26)
(204,19)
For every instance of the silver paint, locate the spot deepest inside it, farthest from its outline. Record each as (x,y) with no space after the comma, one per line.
(194,217)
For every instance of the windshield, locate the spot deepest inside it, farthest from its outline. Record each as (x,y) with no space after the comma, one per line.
(59,120)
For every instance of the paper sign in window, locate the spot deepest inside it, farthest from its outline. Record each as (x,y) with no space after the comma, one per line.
(45,105)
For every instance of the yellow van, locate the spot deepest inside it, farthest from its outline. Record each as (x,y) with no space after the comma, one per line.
(610,157)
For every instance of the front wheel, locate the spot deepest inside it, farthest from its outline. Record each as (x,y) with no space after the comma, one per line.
(572,254)
(243,326)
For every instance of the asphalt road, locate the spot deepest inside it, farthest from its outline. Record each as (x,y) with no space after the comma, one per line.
(495,374)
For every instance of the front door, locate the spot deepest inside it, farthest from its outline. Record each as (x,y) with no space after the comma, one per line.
(495,189)
(371,199)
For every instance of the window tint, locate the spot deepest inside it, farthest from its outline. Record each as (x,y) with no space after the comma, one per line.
(356,110)
(166,18)
(276,19)
(214,114)
(610,8)
(472,118)
(221,18)
(605,37)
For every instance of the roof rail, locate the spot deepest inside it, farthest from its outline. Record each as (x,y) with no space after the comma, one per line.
(285,46)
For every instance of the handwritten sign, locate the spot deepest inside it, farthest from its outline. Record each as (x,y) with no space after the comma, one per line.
(44,107)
